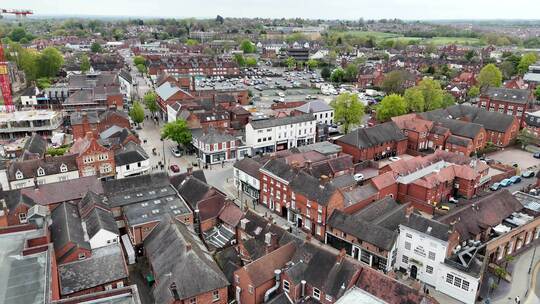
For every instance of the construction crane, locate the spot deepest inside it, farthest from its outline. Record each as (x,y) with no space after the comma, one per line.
(4,69)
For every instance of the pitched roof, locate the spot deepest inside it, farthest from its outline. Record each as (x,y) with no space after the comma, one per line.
(106,265)
(231,214)
(177,179)
(131,153)
(274,122)
(488,211)
(66,227)
(70,190)
(36,145)
(459,141)
(384,180)
(373,136)
(511,95)
(314,106)
(261,270)
(213,136)
(90,201)
(376,224)
(428,226)
(177,257)
(99,219)
(193,190)
(249,166)
(312,189)
(50,165)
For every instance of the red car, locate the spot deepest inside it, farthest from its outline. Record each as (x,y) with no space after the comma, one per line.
(175,168)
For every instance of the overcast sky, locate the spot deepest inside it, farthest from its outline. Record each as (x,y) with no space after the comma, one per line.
(314,9)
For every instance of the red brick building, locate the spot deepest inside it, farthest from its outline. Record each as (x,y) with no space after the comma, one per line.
(93,158)
(513,102)
(84,122)
(374,143)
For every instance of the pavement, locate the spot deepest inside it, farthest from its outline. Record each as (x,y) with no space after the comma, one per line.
(524,284)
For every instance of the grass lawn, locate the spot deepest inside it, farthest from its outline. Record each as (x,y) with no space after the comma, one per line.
(450,40)
(377,35)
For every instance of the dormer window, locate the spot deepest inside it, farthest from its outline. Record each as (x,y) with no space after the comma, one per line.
(63,168)
(19,175)
(40,171)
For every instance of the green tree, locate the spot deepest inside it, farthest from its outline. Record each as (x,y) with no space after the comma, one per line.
(312,64)
(251,61)
(469,55)
(290,62)
(414,100)
(139,60)
(537,93)
(507,68)
(394,82)
(490,76)
(325,72)
(28,63)
(191,42)
(49,62)
(17,34)
(391,106)
(85,63)
(338,75)
(525,61)
(508,259)
(137,113)
(240,60)
(178,132)
(43,83)
(525,137)
(141,68)
(500,273)
(473,92)
(432,92)
(96,48)
(248,47)
(150,101)
(348,110)
(448,100)
(351,72)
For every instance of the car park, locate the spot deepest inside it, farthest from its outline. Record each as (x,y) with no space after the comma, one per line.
(506,182)
(495,187)
(515,179)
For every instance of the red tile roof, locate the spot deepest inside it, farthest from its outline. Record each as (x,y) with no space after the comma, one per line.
(262,270)
(231,214)
(384,180)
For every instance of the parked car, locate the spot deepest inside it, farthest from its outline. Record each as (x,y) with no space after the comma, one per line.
(506,182)
(394,158)
(176,152)
(175,168)
(444,208)
(495,187)
(515,179)
(358,177)
(453,200)
(527,174)
(536,155)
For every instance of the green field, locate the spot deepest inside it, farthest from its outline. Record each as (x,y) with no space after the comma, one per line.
(450,40)
(376,35)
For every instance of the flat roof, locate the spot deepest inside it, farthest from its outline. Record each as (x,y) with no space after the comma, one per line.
(28,115)
(24,279)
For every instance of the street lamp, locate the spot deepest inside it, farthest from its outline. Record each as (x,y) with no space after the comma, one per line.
(163,152)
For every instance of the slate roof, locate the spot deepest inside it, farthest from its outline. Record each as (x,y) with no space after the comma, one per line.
(322,268)
(311,188)
(106,265)
(280,168)
(99,219)
(461,128)
(77,118)
(376,224)
(177,179)
(178,257)
(274,122)
(510,95)
(131,153)
(36,145)
(193,190)
(213,136)
(50,165)
(373,136)
(249,166)
(14,197)
(261,270)
(436,229)
(155,209)
(90,201)
(475,217)
(70,190)
(459,141)
(133,189)
(314,106)
(66,227)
